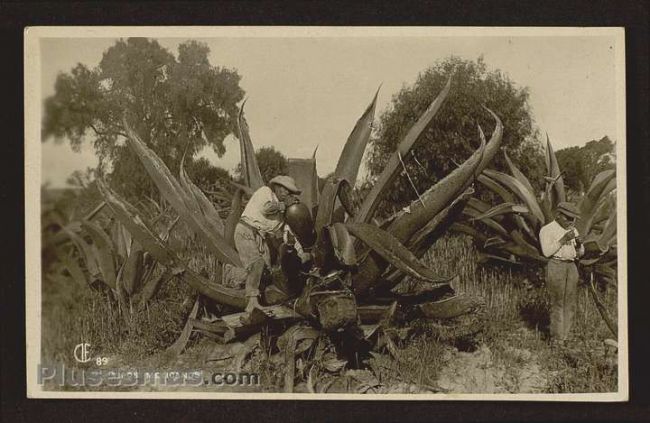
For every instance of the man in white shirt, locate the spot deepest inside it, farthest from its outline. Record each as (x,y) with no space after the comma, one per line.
(561,243)
(263,218)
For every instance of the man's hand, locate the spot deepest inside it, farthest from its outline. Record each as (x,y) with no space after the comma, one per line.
(568,236)
(291,200)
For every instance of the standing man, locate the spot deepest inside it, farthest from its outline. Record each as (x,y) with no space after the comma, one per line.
(561,243)
(262,219)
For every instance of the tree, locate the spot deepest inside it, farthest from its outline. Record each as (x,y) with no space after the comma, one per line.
(582,164)
(175,104)
(454,134)
(270,161)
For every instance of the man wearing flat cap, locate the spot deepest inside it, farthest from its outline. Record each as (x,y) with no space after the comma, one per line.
(561,243)
(262,218)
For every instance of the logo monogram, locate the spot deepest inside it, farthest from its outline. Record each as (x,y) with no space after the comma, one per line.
(84,350)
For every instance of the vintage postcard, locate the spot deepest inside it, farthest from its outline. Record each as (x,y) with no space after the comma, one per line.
(326,213)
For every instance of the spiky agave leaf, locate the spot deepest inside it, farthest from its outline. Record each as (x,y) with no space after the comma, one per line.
(496,187)
(553,169)
(391,250)
(136,224)
(87,254)
(201,203)
(103,251)
(350,159)
(536,215)
(501,209)
(141,232)
(432,202)
(233,217)
(473,213)
(598,190)
(424,239)
(303,171)
(181,200)
(443,193)
(517,174)
(249,167)
(393,167)
(133,269)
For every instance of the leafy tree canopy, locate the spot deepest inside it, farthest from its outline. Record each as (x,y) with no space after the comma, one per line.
(270,161)
(174,103)
(453,136)
(581,164)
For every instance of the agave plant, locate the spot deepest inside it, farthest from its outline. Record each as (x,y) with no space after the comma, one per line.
(358,264)
(509,231)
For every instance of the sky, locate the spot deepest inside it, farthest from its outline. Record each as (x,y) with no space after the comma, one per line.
(305,91)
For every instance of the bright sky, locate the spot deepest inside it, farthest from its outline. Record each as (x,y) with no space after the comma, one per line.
(306,91)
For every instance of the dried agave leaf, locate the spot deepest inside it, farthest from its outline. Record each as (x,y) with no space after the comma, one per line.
(348,164)
(249,168)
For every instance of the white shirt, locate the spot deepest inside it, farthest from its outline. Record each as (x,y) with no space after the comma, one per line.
(262,211)
(549,238)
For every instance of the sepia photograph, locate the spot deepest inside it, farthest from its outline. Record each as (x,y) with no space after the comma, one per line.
(403,213)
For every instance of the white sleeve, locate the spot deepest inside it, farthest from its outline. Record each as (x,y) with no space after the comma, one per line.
(550,242)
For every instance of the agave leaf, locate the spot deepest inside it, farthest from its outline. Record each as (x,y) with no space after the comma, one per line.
(393,167)
(201,203)
(391,250)
(598,190)
(117,238)
(468,230)
(531,250)
(84,248)
(181,200)
(520,191)
(303,171)
(546,205)
(135,224)
(152,243)
(553,168)
(348,165)
(233,217)
(250,170)
(179,345)
(133,269)
(342,244)
(487,221)
(327,203)
(424,239)
(73,267)
(496,188)
(103,251)
(482,258)
(436,198)
(501,209)
(604,270)
(608,236)
(494,241)
(432,202)
(518,174)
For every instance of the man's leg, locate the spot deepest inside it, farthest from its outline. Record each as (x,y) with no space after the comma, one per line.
(555,285)
(570,297)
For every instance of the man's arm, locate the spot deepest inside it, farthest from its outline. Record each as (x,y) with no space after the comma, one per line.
(551,242)
(271,208)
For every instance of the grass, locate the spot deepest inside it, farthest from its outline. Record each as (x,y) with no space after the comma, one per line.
(514,335)
(516,327)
